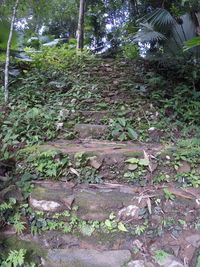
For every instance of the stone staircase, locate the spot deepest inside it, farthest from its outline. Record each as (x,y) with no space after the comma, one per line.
(103,90)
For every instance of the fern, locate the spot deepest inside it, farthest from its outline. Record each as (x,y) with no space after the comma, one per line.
(15,258)
(18,225)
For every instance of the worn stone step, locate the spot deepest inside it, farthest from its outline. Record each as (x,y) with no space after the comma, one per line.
(101,147)
(87,258)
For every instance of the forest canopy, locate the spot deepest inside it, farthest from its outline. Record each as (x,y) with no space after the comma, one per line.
(106,23)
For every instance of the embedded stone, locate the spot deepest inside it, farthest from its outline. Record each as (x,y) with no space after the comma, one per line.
(44,205)
(95,162)
(130,212)
(170,261)
(90,130)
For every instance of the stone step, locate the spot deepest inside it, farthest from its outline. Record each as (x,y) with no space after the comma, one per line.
(127,204)
(101,147)
(87,258)
(106,158)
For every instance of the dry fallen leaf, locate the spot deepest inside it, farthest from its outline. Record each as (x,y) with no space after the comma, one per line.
(74,171)
(149,205)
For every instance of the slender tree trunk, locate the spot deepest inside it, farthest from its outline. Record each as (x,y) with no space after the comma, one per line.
(6,89)
(80,31)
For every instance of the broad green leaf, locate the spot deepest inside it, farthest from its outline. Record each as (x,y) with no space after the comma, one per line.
(108,223)
(132,134)
(122,121)
(112,216)
(132,160)
(144,162)
(122,137)
(121,227)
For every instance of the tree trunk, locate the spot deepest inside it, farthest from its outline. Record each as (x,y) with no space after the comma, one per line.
(6,89)
(80,31)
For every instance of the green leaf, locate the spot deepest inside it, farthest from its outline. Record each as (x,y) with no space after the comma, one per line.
(132,160)
(122,137)
(132,134)
(108,224)
(144,162)
(117,129)
(112,216)
(122,121)
(121,227)
(191,43)
(87,230)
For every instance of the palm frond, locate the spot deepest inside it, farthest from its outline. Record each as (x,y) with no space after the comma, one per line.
(192,43)
(159,17)
(147,33)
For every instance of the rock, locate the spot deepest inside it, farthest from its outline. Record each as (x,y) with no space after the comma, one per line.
(94,205)
(130,212)
(68,201)
(74,100)
(56,84)
(170,261)
(90,130)
(59,125)
(11,191)
(4,179)
(175,250)
(95,162)
(87,258)
(44,205)
(184,168)
(52,240)
(194,240)
(140,263)
(64,113)
(143,89)
(151,129)
(132,167)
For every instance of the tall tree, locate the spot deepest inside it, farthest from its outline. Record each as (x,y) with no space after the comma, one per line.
(6,91)
(80,30)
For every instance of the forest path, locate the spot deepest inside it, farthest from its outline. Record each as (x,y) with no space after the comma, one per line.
(128,196)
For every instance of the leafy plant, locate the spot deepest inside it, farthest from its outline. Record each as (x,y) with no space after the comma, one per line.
(49,163)
(160,255)
(139,229)
(122,130)
(141,162)
(168,194)
(18,224)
